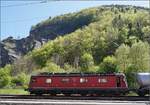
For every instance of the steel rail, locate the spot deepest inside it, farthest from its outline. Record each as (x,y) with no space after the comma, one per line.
(123,98)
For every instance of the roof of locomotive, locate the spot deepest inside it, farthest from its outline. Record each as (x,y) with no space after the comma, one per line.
(77,74)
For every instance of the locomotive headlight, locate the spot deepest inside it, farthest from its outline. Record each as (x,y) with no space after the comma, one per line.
(48,80)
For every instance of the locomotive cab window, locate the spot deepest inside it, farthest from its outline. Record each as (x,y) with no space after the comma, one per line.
(49,80)
(102,80)
(33,80)
(118,82)
(83,80)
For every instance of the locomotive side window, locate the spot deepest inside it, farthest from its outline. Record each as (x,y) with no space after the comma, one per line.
(83,80)
(49,80)
(102,80)
(65,80)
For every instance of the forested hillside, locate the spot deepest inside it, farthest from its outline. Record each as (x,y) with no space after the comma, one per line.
(13,49)
(102,39)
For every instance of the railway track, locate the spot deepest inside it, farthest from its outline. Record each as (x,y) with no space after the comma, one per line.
(123,98)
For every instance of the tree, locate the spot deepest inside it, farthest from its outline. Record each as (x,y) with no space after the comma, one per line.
(86,62)
(140,56)
(133,59)
(5,77)
(24,64)
(146,31)
(122,57)
(108,65)
(52,67)
(21,79)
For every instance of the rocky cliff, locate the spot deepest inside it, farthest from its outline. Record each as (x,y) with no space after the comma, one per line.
(12,49)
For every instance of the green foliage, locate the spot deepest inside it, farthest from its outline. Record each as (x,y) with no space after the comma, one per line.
(102,39)
(90,45)
(108,65)
(40,56)
(25,64)
(122,57)
(146,33)
(52,67)
(140,56)
(7,69)
(108,28)
(59,24)
(5,77)
(86,62)
(137,56)
(131,60)
(68,68)
(20,80)
(4,80)
(130,75)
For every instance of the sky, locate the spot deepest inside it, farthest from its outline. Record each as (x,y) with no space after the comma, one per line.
(17,17)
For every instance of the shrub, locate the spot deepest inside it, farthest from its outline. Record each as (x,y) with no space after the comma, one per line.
(4,79)
(108,65)
(86,62)
(52,67)
(20,80)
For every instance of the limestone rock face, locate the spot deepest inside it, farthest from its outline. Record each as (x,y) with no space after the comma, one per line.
(4,57)
(12,49)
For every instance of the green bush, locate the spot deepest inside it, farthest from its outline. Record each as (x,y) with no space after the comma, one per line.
(108,65)
(20,80)
(52,67)
(130,75)
(68,68)
(86,62)
(4,79)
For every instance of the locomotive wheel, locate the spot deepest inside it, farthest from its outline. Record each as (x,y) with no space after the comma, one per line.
(38,94)
(100,94)
(67,94)
(83,94)
(94,94)
(53,94)
(118,94)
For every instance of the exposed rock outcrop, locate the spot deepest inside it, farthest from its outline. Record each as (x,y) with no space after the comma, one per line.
(12,49)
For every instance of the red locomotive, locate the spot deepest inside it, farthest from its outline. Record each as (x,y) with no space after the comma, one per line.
(76,83)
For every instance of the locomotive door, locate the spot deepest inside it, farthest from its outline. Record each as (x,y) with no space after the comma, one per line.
(118,81)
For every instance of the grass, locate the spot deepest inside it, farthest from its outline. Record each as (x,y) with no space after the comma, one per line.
(13,91)
(132,94)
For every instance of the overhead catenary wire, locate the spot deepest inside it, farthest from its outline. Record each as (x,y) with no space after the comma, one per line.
(26,4)
(29,3)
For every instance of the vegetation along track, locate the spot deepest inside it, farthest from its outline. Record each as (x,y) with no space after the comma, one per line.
(123,98)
